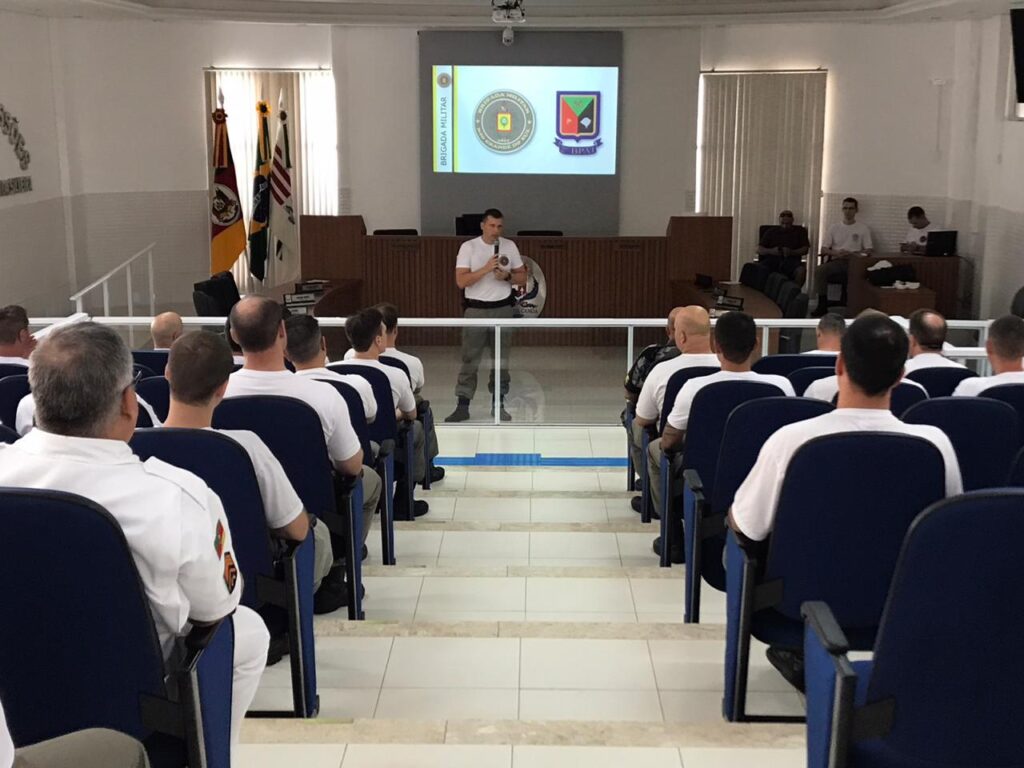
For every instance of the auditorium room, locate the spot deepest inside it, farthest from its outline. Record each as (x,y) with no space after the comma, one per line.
(511,384)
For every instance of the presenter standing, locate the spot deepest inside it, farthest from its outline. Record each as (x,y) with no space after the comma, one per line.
(486,270)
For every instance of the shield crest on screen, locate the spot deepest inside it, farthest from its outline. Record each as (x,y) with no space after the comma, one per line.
(579,114)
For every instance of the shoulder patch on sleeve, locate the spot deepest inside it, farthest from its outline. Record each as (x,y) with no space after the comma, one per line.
(230,572)
(189,483)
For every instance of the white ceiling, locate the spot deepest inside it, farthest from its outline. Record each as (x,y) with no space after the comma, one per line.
(540,13)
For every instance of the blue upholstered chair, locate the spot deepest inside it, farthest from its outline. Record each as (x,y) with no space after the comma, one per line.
(940,381)
(292,431)
(387,427)
(700,449)
(783,365)
(802,378)
(943,686)
(394,362)
(1016,477)
(836,538)
(84,652)
(1011,394)
(225,466)
(983,432)
(357,415)
(9,369)
(145,370)
(423,414)
(157,392)
(7,435)
(153,359)
(12,390)
(749,425)
(905,395)
(672,386)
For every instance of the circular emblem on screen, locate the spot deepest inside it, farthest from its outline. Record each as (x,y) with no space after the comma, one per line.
(225,210)
(504,121)
(444,80)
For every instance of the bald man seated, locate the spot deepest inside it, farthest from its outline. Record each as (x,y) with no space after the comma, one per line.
(927,333)
(165,328)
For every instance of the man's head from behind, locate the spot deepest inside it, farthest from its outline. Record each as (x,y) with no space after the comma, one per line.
(927,331)
(735,337)
(198,367)
(670,326)
(306,347)
(830,331)
(165,328)
(256,324)
(1005,344)
(365,330)
(389,315)
(874,351)
(15,340)
(692,329)
(81,379)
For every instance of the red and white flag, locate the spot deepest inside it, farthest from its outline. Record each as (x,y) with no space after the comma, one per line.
(284,229)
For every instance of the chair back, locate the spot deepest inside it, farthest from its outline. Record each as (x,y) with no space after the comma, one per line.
(802,378)
(783,365)
(773,285)
(845,505)
(292,431)
(675,383)
(709,413)
(225,466)
(385,425)
(1011,394)
(947,646)
(12,390)
(754,275)
(983,432)
(145,370)
(356,414)
(903,396)
(940,381)
(154,359)
(9,369)
(394,362)
(1016,478)
(81,622)
(157,392)
(7,435)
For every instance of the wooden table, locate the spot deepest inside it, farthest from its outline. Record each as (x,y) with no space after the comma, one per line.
(755,303)
(896,301)
(941,274)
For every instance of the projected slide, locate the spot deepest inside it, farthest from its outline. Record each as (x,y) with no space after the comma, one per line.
(525,119)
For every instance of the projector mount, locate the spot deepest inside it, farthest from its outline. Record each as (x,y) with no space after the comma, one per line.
(507,12)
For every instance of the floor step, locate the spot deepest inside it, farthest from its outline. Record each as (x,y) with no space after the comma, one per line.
(550,629)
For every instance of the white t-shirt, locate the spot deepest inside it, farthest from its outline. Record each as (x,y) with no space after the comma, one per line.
(174,524)
(917,236)
(25,417)
(679,417)
(930,360)
(473,254)
(854,237)
(753,509)
(821,352)
(6,743)
(827,388)
(4,360)
(281,504)
(652,395)
(401,390)
(978,384)
(358,383)
(342,443)
(412,362)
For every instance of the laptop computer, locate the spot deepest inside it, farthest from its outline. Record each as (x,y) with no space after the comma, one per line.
(941,242)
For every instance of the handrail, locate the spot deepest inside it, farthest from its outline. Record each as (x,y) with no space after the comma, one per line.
(105,284)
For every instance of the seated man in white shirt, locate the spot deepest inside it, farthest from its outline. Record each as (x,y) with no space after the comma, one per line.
(927,335)
(16,343)
(917,236)
(165,328)
(307,351)
(257,325)
(843,241)
(828,334)
(174,524)
(692,328)
(869,366)
(735,340)
(365,331)
(1005,348)
(197,371)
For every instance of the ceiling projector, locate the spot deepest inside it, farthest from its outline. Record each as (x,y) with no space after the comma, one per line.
(507,12)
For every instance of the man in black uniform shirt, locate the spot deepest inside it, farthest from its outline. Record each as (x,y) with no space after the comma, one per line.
(649,357)
(782,248)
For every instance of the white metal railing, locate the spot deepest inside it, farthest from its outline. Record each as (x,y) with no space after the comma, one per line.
(104,283)
(629,325)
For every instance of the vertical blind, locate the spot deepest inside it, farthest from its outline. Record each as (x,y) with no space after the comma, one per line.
(760,151)
(309,99)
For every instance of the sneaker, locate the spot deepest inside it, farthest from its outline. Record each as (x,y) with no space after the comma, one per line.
(461,413)
(789,663)
(279,646)
(675,554)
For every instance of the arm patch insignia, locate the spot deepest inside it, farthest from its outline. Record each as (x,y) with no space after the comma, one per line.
(230,572)
(218,540)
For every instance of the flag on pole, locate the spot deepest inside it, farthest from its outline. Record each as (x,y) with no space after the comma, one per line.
(227,229)
(258,241)
(283,228)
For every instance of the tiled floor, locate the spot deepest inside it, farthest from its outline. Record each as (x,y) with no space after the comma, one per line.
(527,545)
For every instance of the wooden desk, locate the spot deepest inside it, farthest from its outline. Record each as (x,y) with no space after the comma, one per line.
(755,303)
(895,301)
(941,274)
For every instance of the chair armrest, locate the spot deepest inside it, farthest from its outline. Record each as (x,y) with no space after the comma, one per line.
(819,619)
(387,447)
(421,408)
(344,484)
(692,479)
(196,641)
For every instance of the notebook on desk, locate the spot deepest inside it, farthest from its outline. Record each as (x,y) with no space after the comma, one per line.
(941,242)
